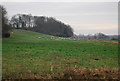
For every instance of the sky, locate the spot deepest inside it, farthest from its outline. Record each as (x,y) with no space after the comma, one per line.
(59,0)
(83,17)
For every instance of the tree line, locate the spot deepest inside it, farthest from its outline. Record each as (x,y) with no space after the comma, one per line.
(41,24)
(97,36)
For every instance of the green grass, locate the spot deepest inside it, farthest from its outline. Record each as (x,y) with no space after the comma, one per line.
(25,53)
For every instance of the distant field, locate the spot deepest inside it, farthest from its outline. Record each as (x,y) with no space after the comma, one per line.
(27,53)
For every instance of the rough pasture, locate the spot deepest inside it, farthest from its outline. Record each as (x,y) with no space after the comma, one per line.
(28,54)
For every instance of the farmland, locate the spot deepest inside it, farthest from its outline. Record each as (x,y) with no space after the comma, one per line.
(27,53)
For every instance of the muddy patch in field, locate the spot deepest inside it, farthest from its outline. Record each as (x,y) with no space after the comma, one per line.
(109,41)
(73,74)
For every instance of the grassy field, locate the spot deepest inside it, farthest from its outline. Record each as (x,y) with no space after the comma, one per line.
(27,53)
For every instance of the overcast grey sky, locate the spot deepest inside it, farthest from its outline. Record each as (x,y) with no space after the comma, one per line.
(59,0)
(84,17)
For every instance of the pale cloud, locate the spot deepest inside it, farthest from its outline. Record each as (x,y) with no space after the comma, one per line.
(98,27)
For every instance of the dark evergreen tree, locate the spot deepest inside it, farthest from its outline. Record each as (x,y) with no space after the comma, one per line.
(5,25)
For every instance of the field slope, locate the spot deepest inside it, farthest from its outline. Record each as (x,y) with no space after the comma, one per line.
(27,53)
